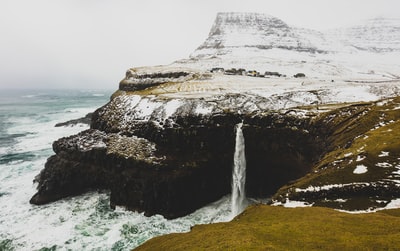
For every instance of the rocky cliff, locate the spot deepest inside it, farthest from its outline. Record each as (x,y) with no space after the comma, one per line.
(164,143)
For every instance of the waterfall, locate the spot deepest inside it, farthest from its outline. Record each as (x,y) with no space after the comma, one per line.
(238,174)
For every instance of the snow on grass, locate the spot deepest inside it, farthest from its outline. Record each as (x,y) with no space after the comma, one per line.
(397,172)
(369,210)
(326,187)
(383,164)
(293,203)
(384,102)
(361,149)
(360,169)
(393,204)
(348,154)
(201,109)
(360,158)
(347,93)
(383,154)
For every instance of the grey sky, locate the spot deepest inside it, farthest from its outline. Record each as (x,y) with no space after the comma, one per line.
(90,43)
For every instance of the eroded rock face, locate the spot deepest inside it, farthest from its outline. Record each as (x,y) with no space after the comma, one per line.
(172,168)
(139,176)
(279,148)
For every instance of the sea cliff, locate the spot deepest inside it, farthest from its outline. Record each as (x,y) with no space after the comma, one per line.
(164,143)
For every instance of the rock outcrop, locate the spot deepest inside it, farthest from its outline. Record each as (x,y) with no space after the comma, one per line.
(140,78)
(84,120)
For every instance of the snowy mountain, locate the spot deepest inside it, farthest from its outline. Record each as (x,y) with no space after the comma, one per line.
(253,30)
(375,35)
(262,42)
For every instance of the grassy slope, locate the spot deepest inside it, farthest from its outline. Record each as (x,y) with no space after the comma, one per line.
(361,134)
(277,228)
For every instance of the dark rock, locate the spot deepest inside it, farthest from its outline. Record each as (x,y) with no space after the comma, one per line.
(175,170)
(299,75)
(234,71)
(272,73)
(85,120)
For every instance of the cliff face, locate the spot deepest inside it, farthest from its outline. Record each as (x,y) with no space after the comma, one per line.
(167,148)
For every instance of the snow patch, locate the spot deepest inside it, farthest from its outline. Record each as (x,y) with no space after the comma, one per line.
(360,169)
(327,187)
(397,172)
(146,107)
(293,203)
(201,109)
(171,106)
(133,100)
(383,154)
(393,204)
(360,158)
(383,164)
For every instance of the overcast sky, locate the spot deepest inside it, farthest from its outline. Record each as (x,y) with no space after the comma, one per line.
(90,43)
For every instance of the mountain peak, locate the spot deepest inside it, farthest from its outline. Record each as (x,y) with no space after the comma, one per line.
(237,29)
(228,22)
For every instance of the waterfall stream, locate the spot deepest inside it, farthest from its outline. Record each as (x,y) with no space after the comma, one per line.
(238,199)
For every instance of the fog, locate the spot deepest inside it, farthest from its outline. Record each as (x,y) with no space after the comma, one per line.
(90,43)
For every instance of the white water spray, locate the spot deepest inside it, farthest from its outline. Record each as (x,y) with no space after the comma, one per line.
(238,174)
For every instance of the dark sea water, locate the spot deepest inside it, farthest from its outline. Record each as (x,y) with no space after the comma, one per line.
(85,222)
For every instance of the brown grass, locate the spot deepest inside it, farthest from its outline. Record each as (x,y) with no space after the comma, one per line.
(263,227)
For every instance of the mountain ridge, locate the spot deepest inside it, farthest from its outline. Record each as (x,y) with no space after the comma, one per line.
(263,42)
(241,22)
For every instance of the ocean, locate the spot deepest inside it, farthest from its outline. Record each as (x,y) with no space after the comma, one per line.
(85,222)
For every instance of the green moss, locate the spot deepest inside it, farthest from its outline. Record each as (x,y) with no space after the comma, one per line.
(277,228)
(6,245)
(52,248)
